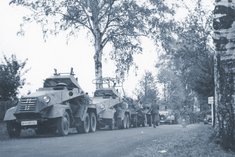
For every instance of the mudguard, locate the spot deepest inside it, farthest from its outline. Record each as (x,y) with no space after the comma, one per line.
(81,112)
(9,115)
(57,111)
(107,114)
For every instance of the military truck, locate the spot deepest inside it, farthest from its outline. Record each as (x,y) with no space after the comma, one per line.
(112,110)
(59,105)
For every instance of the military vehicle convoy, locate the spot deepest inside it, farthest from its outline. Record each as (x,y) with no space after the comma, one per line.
(59,105)
(116,110)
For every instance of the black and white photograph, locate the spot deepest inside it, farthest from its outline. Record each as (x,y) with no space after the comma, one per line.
(117,78)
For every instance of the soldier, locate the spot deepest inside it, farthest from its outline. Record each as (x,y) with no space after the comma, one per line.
(155,115)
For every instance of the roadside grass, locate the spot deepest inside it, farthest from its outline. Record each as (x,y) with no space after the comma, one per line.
(193,141)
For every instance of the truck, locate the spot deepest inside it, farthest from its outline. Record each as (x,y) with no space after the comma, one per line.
(112,110)
(59,105)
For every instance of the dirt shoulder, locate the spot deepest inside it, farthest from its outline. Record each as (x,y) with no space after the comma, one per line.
(193,141)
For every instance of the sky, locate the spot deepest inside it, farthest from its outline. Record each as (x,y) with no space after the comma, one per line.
(78,53)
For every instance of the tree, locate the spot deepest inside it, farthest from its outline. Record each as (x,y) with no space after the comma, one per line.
(147,92)
(223,24)
(118,23)
(173,89)
(189,53)
(11,73)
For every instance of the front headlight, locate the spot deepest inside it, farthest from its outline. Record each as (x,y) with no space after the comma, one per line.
(46,99)
(102,107)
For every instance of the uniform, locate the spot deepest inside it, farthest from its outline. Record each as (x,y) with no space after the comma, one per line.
(155,115)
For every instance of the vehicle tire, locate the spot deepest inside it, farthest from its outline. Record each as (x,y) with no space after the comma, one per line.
(135,121)
(119,123)
(127,121)
(112,124)
(124,122)
(145,122)
(13,129)
(150,122)
(93,122)
(85,126)
(63,124)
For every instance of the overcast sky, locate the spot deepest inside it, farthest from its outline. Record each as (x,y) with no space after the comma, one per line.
(78,53)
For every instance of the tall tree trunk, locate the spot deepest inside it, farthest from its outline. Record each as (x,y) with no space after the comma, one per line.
(93,5)
(98,62)
(224,39)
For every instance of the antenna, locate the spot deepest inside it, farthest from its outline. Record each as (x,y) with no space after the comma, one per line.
(55,70)
(71,71)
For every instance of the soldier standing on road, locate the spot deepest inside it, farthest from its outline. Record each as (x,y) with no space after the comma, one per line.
(155,115)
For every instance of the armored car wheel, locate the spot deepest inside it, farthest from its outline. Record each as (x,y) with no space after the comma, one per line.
(93,122)
(149,120)
(145,122)
(112,124)
(85,126)
(135,121)
(63,124)
(119,123)
(127,121)
(13,129)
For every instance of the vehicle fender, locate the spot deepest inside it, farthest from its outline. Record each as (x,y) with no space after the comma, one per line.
(107,114)
(57,111)
(9,115)
(81,112)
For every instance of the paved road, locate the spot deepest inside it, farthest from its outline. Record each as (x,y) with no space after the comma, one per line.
(105,143)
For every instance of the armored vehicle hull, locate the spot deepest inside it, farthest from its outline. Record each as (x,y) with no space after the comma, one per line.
(61,104)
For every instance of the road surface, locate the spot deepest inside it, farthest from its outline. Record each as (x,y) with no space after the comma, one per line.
(104,143)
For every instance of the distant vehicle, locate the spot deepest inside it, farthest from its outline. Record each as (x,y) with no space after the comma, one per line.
(208,119)
(166,117)
(59,105)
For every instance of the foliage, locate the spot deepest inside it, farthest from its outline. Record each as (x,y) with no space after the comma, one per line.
(11,73)
(186,66)
(147,92)
(174,91)
(191,53)
(118,23)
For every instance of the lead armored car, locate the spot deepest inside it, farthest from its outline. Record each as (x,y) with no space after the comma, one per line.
(59,105)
